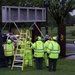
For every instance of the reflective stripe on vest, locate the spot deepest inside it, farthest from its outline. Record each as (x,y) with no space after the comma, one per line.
(53,51)
(7,51)
(39,48)
(28,47)
(38,51)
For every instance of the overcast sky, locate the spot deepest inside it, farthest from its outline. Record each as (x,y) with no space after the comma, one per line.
(72,13)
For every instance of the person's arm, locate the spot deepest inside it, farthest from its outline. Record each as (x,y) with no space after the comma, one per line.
(4,46)
(33,46)
(49,48)
(59,48)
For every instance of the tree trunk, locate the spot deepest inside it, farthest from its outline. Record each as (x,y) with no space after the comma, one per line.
(46,24)
(2,59)
(35,31)
(62,39)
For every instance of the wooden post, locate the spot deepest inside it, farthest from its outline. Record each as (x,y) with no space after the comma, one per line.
(62,39)
(2,58)
(35,31)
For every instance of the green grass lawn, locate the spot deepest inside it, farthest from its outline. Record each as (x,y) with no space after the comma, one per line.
(64,67)
(54,31)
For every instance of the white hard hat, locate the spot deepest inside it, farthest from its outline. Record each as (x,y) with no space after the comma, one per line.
(54,38)
(46,36)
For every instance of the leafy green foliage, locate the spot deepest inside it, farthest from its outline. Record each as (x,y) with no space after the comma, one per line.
(60,8)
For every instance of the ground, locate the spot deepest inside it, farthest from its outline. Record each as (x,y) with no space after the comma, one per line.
(64,67)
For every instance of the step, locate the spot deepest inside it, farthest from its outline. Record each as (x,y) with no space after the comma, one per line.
(19,54)
(22,38)
(17,66)
(20,49)
(21,44)
(18,60)
(23,33)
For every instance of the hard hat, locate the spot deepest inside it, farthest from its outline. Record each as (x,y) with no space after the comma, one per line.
(46,36)
(54,38)
(30,39)
(9,41)
(49,38)
(39,38)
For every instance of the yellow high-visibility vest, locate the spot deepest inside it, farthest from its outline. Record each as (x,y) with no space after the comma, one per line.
(8,49)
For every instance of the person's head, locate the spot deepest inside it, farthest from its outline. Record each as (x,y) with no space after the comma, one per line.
(49,38)
(8,41)
(46,37)
(29,38)
(39,38)
(54,38)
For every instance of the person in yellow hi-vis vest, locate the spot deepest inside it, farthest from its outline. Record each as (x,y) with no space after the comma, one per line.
(53,51)
(46,44)
(9,52)
(21,46)
(38,47)
(28,52)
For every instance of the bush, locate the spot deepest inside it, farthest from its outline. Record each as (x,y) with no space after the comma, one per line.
(72,32)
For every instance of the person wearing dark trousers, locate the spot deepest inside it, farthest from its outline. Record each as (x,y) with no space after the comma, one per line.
(53,51)
(9,61)
(9,52)
(47,42)
(39,62)
(38,47)
(52,64)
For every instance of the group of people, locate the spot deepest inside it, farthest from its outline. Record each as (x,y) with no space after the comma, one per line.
(41,51)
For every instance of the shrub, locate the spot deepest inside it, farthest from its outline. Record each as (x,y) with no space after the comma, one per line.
(72,32)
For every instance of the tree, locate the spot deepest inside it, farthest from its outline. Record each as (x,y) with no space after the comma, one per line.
(58,10)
